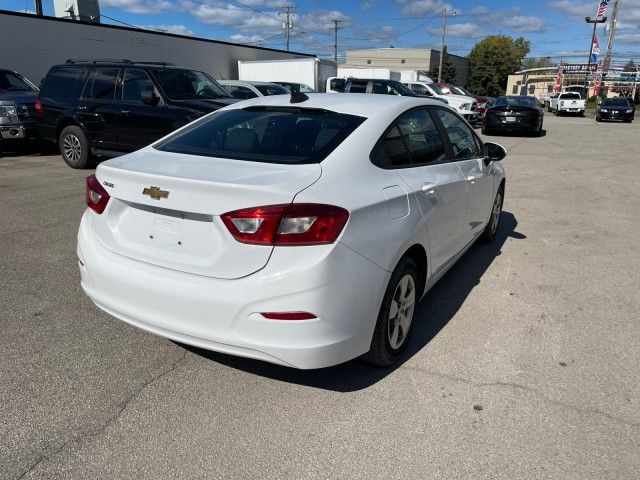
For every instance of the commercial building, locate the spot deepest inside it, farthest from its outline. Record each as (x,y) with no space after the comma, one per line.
(419,59)
(32,44)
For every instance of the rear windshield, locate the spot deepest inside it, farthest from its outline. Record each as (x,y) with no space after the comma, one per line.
(571,96)
(271,89)
(516,101)
(286,135)
(11,82)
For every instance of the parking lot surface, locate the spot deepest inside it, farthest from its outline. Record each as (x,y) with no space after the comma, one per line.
(524,364)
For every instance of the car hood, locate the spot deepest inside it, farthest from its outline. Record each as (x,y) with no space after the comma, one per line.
(18,97)
(206,106)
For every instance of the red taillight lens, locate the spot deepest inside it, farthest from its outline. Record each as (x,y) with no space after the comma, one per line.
(289,315)
(97,196)
(39,109)
(287,225)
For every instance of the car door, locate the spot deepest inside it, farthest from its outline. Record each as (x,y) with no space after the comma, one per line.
(467,152)
(435,181)
(98,110)
(143,113)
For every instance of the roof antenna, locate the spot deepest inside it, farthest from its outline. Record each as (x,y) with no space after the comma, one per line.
(298,97)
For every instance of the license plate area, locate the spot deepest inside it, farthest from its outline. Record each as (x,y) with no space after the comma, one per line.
(510,119)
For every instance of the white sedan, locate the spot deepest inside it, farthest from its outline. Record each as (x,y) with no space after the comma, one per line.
(298,230)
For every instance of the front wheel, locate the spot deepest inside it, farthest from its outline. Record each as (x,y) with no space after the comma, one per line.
(74,147)
(395,319)
(598,118)
(494,220)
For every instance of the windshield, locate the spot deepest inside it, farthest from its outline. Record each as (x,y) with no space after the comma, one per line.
(402,89)
(286,135)
(462,91)
(11,82)
(439,90)
(616,102)
(516,102)
(272,89)
(188,84)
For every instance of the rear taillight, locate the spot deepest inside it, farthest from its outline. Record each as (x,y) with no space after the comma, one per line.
(288,315)
(287,225)
(97,196)
(39,109)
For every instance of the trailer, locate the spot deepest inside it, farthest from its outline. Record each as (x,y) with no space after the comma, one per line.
(310,71)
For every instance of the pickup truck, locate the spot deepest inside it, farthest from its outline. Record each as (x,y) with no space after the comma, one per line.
(17,108)
(567,102)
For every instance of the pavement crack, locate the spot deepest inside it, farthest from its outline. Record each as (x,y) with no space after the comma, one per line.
(524,388)
(94,432)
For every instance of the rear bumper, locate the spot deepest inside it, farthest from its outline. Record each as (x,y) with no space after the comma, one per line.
(18,132)
(343,289)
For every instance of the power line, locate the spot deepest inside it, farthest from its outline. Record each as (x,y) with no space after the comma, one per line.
(288,22)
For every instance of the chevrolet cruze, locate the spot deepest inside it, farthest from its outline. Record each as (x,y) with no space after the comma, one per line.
(300,230)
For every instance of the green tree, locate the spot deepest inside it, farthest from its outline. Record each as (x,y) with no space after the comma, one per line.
(449,73)
(492,60)
(541,62)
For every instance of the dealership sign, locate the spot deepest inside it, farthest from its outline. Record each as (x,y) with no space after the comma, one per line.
(579,68)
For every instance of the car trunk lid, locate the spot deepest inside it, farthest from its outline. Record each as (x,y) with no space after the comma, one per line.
(165,209)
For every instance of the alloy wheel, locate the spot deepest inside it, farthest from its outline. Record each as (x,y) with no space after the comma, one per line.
(401,311)
(71,147)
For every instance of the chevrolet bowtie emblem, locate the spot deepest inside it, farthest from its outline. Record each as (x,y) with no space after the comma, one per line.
(155,193)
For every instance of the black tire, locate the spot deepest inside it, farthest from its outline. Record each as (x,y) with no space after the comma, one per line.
(74,147)
(540,130)
(382,352)
(598,118)
(489,233)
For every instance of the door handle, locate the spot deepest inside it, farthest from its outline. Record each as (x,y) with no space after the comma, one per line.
(472,179)
(429,189)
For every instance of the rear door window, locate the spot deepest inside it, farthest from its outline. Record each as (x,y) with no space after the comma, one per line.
(422,137)
(137,87)
(62,84)
(102,84)
(285,135)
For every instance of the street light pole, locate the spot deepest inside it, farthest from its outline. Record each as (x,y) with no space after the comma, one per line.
(445,12)
(595,22)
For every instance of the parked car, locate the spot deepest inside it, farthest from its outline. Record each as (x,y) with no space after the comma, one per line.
(243,90)
(112,107)
(296,87)
(17,108)
(370,85)
(514,113)
(294,233)
(549,99)
(481,100)
(464,105)
(568,102)
(618,108)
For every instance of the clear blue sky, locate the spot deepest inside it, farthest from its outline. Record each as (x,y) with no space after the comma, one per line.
(556,28)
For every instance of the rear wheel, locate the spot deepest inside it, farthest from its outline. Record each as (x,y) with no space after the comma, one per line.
(74,147)
(395,320)
(494,220)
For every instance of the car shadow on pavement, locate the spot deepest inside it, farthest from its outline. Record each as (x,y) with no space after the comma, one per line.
(435,310)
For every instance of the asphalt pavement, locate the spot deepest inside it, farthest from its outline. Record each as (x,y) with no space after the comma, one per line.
(525,362)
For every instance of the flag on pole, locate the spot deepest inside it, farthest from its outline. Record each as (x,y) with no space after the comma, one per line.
(602,8)
(595,52)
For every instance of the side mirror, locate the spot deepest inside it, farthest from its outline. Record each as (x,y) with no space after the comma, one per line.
(494,152)
(338,84)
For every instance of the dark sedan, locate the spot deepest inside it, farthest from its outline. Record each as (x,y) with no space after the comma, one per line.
(514,113)
(618,108)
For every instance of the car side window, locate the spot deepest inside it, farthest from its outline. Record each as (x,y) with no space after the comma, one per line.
(358,87)
(391,152)
(420,89)
(137,87)
(240,92)
(422,137)
(103,84)
(463,140)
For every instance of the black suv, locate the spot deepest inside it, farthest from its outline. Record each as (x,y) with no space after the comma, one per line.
(110,107)
(17,108)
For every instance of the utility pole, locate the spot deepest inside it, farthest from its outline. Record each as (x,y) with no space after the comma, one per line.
(595,22)
(445,12)
(39,8)
(612,32)
(288,23)
(335,40)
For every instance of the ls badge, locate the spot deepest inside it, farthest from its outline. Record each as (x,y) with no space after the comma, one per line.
(155,193)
